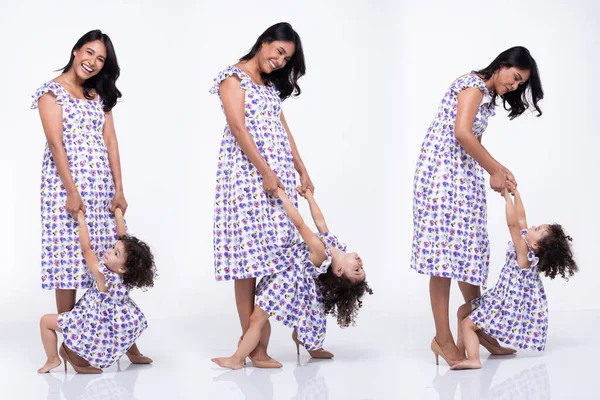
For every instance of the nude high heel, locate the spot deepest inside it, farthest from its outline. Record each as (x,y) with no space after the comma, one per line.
(437,350)
(64,353)
(320,353)
(261,363)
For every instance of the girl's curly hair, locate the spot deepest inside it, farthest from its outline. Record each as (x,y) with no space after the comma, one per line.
(140,268)
(554,252)
(341,297)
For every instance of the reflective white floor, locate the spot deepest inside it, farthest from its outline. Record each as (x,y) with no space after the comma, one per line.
(385,357)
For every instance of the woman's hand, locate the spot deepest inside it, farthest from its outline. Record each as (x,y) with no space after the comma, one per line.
(118,202)
(75,204)
(272,184)
(305,184)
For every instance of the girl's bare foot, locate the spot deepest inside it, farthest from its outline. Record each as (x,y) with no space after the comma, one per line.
(50,365)
(467,364)
(228,362)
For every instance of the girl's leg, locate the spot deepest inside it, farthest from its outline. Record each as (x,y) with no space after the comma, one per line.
(48,329)
(439,292)
(244,299)
(65,301)
(469,335)
(248,343)
(471,292)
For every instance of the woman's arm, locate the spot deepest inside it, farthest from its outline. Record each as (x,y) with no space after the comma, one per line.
(114,160)
(317,247)
(51,115)
(233,98)
(305,181)
(90,258)
(468,104)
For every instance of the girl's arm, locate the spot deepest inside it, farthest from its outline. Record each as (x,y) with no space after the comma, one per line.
(90,258)
(114,160)
(121,228)
(316,213)
(515,232)
(233,98)
(51,115)
(468,104)
(520,210)
(316,246)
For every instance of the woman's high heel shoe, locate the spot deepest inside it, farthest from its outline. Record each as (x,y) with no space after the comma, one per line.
(320,353)
(262,363)
(493,349)
(138,358)
(64,353)
(437,350)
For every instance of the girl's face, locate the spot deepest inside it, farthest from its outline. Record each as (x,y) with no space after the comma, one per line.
(89,60)
(350,265)
(508,79)
(536,233)
(275,55)
(115,258)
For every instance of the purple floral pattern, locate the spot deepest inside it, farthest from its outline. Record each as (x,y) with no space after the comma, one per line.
(292,296)
(515,310)
(249,223)
(63,265)
(450,236)
(103,325)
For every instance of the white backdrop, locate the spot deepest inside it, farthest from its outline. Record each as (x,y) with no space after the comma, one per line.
(376,72)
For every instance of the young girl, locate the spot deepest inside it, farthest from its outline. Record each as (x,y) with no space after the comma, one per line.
(515,311)
(105,322)
(321,279)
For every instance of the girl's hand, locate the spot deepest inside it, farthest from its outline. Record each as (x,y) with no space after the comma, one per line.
(272,184)
(511,182)
(119,202)
(306,183)
(307,194)
(74,204)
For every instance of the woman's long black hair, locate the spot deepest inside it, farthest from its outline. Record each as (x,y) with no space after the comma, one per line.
(285,79)
(517,102)
(104,84)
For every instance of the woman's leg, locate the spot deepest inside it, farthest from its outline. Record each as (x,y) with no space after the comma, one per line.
(65,299)
(48,329)
(439,292)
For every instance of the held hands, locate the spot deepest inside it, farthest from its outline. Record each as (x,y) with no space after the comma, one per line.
(272,184)
(305,184)
(74,205)
(305,193)
(502,180)
(119,202)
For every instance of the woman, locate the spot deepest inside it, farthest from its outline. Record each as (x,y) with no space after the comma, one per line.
(450,238)
(81,169)
(258,156)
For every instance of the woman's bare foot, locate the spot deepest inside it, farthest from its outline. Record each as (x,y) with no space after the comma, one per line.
(228,362)
(51,363)
(467,364)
